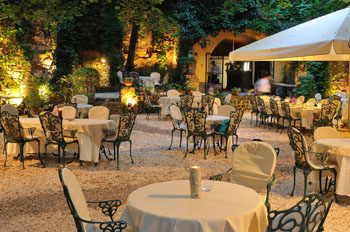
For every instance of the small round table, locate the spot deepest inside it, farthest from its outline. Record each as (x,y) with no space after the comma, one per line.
(341,148)
(167,206)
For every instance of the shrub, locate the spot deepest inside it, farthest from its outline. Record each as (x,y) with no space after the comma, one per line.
(306,86)
(84,81)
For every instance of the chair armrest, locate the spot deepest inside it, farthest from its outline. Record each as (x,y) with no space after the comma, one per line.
(69,133)
(108,226)
(219,177)
(321,157)
(268,189)
(109,207)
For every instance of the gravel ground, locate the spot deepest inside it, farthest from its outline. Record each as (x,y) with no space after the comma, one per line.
(32,199)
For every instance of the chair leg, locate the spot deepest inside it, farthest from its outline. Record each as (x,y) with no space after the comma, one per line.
(59,154)
(132,161)
(186,147)
(41,161)
(5,151)
(118,156)
(171,143)
(113,151)
(46,153)
(320,180)
(181,137)
(21,154)
(205,149)
(306,173)
(294,170)
(251,118)
(227,147)
(214,145)
(64,156)
(194,144)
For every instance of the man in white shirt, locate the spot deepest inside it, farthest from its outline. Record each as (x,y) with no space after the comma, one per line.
(263,85)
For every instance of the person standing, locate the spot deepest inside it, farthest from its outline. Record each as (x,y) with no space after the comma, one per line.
(215,72)
(263,85)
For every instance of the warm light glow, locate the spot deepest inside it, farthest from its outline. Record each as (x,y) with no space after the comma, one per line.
(103,60)
(16,94)
(128,96)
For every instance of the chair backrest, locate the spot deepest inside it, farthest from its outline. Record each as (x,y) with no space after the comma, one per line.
(166,78)
(277,98)
(186,101)
(172,93)
(197,94)
(120,77)
(207,102)
(195,121)
(341,95)
(147,100)
(136,76)
(318,96)
(307,215)
(338,103)
(75,197)
(225,110)
(311,101)
(9,108)
(285,109)
(323,102)
(253,103)
(125,123)
(155,76)
(52,126)
(328,112)
(300,100)
(273,106)
(227,99)
(298,144)
(99,112)
(235,120)
(253,165)
(176,116)
(261,105)
(80,99)
(334,97)
(326,133)
(11,127)
(68,112)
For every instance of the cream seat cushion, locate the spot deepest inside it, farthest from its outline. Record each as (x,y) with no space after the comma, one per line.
(68,112)
(326,133)
(10,108)
(99,112)
(80,99)
(225,110)
(173,93)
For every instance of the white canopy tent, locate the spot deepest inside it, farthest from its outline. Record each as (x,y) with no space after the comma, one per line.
(322,39)
(326,38)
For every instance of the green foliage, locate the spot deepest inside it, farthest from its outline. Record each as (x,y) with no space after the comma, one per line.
(84,80)
(38,91)
(235,89)
(320,71)
(115,60)
(306,87)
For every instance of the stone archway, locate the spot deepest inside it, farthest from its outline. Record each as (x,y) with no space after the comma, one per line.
(201,54)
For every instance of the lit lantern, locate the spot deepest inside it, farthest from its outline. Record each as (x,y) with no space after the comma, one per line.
(128,97)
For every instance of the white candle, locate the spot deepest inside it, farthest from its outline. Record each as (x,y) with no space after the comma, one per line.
(195,182)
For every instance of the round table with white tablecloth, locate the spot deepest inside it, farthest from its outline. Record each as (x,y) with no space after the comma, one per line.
(83,110)
(167,206)
(165,102)
(306,112)
(90,134)
(341,149)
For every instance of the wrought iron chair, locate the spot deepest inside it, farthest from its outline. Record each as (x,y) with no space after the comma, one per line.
(255,110)
(208,103)
(150,107)
(15,133)
(288,115)
(136,77)
(334,97)
(307,215)
(309,161)
(79,209)
(235,120)
(124,127)
(275,116)
(253,166)
(186,101)
(56,135)
(196,127)
(263,112)
(176,119)
(327,115)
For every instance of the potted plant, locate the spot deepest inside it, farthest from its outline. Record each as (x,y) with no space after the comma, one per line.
(235,90)
(128,81)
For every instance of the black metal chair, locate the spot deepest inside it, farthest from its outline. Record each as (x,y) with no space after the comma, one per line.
(309,161)
(150,107)
(186,101)
(207,102)
(15,133)
(136,77)
(308,215)
(235,120)
(264,113)
(287,115)
(196,127)
(56,135)
(79,209)
(255,110)
(327,115)
(124,127)
(275,116)
(176,119)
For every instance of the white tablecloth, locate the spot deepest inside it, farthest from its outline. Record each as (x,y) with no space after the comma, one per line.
(165,102)
(341,149)
(89,136)
(168,207)
(306,113)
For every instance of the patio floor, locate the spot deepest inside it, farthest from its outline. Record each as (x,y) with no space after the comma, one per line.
(32,199)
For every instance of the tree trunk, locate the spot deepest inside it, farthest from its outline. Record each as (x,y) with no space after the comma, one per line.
(132,47)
